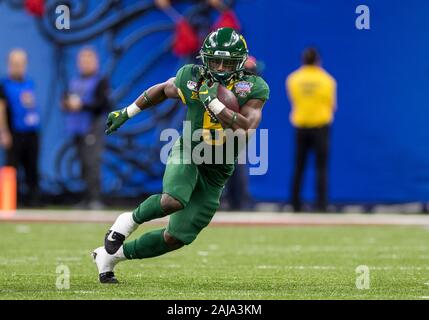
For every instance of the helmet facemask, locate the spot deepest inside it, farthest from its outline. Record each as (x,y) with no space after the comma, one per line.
(222,67)
(224,53)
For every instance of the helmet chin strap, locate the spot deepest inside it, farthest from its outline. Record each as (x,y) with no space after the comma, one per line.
(239,73)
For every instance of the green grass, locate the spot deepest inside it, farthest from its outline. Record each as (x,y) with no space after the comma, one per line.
(223,263)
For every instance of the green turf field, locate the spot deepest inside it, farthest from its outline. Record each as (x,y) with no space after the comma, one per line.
(223,263)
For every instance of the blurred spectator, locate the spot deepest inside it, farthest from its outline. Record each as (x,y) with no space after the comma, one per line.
(19,123)
(166,4)
(312,92)
(86,104)
(191,30)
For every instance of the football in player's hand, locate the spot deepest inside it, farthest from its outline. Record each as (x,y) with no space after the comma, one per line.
(228,98)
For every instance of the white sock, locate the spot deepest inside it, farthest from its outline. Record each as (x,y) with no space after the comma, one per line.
(120,254)
(125,224)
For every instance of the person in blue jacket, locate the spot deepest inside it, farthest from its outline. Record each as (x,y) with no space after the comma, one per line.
(86,104)
(19,123)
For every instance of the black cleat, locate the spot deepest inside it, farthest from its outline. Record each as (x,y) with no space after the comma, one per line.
(113,241)
(108,277)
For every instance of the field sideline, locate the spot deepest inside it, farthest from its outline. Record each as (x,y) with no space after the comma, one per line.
(238,257)
(227,218)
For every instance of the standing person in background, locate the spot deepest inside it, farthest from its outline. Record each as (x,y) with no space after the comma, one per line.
(312,92)
(86,104)
(19,123)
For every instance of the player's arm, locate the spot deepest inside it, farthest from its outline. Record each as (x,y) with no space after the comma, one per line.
(151,97)
(157,94)
(249,117)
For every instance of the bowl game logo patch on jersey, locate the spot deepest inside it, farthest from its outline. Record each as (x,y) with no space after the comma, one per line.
(192,85)
(243,88)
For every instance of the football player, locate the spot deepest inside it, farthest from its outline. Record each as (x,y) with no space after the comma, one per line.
(191,192)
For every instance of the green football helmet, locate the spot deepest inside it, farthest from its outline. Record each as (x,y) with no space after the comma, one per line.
(224,53)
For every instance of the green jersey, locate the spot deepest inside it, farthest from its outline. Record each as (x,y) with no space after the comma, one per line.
(188,80)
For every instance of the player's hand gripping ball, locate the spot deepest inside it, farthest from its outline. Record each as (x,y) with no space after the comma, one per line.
(115,119)
(207,93)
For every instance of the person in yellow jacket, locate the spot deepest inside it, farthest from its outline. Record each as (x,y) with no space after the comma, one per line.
(312,93)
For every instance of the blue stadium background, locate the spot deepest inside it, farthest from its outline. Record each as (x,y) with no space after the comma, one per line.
(380,149)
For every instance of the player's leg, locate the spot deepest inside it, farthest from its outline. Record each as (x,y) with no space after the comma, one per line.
(30,159)
(322,154)
(301,152)
(92,149)
(127,222)
(178,184)
(183,227)
(150,244)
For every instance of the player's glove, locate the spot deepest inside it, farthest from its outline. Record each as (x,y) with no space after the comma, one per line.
(208,93)
(115,119)
(208,96)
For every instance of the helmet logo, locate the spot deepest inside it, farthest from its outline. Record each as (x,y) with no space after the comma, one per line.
(222,53)
(212,40)
(244,42)
(234,39)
